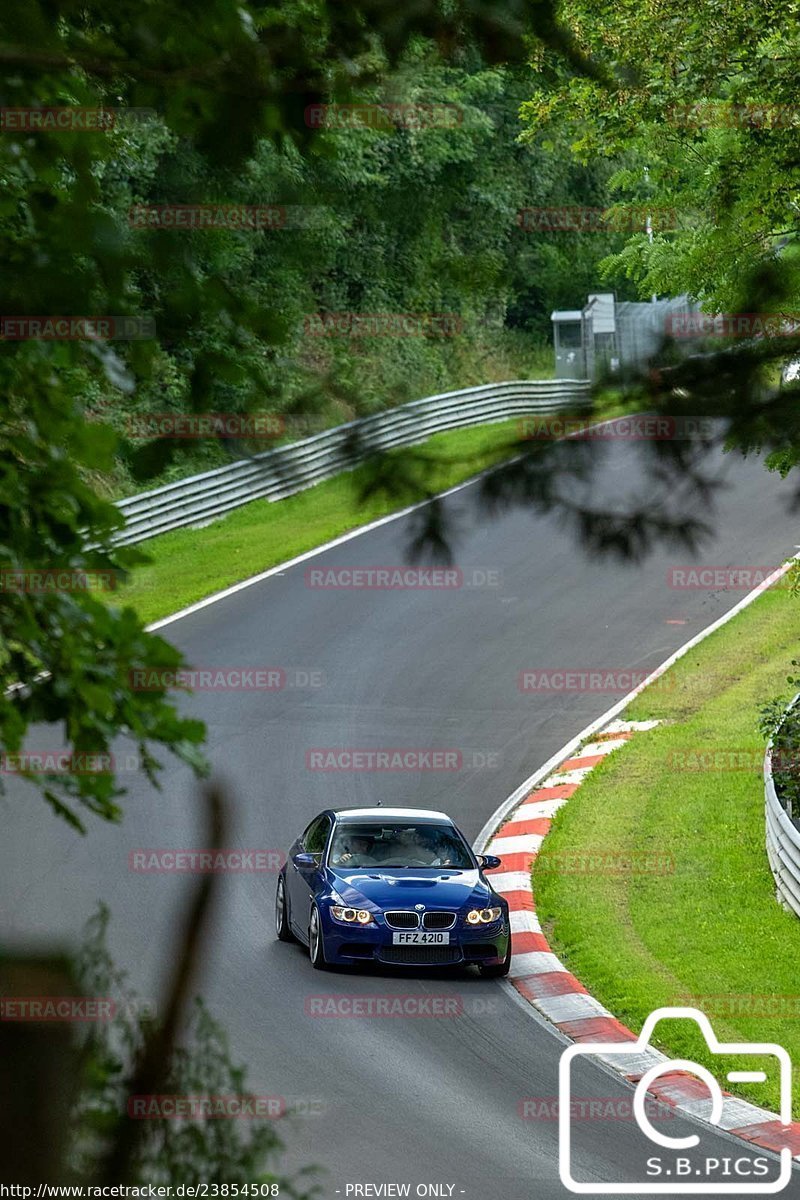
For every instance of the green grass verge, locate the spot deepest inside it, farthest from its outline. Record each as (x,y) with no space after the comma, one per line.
(189,564)
(710,929)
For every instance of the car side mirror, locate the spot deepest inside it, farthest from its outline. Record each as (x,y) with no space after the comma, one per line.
(488,862)
(304,861)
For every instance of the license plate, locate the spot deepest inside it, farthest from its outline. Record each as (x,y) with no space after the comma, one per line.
(419,937)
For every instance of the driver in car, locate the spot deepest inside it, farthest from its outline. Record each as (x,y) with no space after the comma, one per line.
(357,853)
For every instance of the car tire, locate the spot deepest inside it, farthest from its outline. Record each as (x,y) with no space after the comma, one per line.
(316,942)
(501,969)
(283,929)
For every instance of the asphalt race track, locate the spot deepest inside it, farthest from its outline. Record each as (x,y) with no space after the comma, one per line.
(424,1099)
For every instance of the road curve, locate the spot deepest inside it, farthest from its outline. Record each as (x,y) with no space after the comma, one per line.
(418,1100)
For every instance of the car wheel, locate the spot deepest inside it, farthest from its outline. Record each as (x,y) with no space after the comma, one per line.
(499,971)
(316,943)
(282,927)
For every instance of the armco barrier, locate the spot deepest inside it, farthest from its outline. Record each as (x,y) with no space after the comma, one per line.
(783,840)
(289,469)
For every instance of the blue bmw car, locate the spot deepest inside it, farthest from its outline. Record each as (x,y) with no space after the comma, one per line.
(399,886)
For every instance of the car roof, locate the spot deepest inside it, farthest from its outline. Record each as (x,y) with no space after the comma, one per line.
(391,814)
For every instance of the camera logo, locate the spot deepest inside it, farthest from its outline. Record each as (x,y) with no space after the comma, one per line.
(673,1163)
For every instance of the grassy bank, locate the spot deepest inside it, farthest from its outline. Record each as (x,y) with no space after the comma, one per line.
(706,930)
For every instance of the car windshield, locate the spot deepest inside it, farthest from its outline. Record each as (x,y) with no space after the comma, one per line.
(389,844)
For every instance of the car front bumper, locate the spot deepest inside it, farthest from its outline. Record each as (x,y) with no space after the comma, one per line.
(349,944)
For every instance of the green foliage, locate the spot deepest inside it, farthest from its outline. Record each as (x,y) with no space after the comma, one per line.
(782,726)
(210,106)
(701,117)
(73,654)
(377,221)
(172,1151)
(780,723)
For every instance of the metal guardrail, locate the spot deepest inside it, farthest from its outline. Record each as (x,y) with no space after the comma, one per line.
(281,472)
(783,840)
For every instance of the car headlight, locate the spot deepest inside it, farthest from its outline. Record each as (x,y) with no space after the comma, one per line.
(351,916)
(483,916)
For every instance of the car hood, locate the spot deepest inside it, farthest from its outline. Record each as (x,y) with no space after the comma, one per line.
(438,888)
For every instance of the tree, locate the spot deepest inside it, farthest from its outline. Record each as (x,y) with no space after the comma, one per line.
(99,1107)
(701,118)
(226,90)
(168,1150)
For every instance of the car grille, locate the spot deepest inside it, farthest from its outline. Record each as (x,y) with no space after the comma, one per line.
(421,955)
(402,920)
(438,920)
